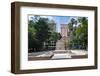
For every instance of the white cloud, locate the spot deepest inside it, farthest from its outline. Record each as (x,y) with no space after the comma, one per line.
(49,17)
(30,17)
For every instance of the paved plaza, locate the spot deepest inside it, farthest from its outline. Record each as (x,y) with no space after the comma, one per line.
(58,55)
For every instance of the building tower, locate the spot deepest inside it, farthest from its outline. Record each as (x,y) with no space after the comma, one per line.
(64,30)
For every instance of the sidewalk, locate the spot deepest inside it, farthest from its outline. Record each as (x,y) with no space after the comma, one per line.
(58,54)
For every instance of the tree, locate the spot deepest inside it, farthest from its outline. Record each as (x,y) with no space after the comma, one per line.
(54,36)
(72,29)
(82,32)
(31,36)
(79,34)
(42,33)
(38,33)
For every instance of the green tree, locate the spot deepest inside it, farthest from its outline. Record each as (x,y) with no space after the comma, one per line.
(79,34)
(82,32)
(42,33)
(54,36)
(38,33)
(31,35)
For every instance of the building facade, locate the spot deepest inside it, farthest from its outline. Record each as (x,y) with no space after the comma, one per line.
(64,30)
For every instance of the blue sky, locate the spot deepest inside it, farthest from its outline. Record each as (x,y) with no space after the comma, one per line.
(57,19)
(61,20)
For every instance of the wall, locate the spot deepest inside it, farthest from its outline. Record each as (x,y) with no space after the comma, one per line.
(5,42)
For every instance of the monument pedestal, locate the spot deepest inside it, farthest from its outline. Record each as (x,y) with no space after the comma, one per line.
(61,45)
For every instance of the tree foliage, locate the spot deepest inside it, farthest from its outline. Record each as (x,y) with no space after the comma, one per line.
(39,32)
(79,33)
